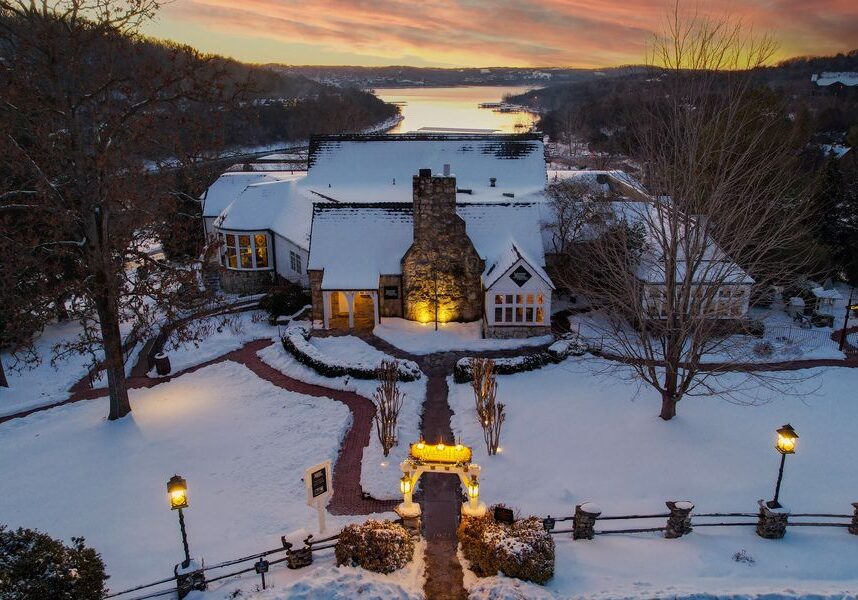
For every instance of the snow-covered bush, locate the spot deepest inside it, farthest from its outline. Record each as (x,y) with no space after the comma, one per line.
(569,345)
(34,566)
(523,550)
(284,300)
(296,341)
(380,546)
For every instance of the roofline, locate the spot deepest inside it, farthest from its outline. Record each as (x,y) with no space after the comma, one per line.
(408,205)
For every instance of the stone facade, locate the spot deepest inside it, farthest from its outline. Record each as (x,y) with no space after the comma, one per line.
(245,282)
(441,268)
(316,294)
(387,306)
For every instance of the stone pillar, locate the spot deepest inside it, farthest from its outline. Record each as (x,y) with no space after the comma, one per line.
(679,521)
(772,522)
(853,528)
(350,299)
(189,579)
(326,309)
(374,295)
(302,557)
(584,521)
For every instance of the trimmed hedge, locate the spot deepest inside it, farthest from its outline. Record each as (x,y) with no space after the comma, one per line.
(523,550)
(556,352)
(296,342)
(379,546)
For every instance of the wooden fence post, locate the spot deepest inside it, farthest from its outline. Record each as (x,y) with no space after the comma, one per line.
(679,520)
(853,528)
(584,521)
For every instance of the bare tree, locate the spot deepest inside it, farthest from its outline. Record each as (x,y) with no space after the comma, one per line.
(490,412)
(673,273)
(82,97)
(388,402)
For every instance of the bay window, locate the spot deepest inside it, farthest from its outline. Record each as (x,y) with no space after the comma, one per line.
(245,251)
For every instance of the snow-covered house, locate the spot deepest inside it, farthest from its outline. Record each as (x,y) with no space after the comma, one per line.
(434,259)
(836,83)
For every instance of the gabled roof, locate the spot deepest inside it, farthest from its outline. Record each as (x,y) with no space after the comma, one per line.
(355,243)
(379,168)
(506,261)
(281,206)
(228,186)
(847,78)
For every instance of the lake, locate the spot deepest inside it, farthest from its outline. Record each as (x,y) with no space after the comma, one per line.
(456,107)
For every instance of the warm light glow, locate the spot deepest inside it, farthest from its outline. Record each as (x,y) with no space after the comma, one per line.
(405,484)
(441,453)
(473,488)
(786,439)
(177,490)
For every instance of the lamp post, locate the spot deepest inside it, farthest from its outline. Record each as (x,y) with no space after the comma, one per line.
(177,490)
(785,445)
(849,307)
(474,492)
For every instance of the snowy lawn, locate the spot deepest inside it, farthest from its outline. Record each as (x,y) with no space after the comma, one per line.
(241,443)
(43,384)
(222,335)
(571,436)
(421,338)
(380,474)
(348,349)
(324,580)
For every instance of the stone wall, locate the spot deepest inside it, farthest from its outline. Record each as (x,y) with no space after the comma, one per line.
(315,277)
(245,282)
(442,262)
(514,331)
(390,307)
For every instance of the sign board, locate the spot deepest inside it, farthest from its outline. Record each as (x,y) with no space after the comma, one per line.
(520,276)
(317,480)
(440,453)
(504,515)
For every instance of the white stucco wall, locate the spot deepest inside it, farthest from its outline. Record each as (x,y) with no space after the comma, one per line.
(282,247)
(504,285)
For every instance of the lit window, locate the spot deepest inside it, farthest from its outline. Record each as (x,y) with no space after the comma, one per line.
(245,251)
(526,309)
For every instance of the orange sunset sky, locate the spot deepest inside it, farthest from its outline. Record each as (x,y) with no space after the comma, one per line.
(455,33)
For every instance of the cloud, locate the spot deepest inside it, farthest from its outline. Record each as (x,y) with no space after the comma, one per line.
(586,33)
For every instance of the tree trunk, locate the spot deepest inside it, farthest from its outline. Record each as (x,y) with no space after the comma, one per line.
(668,406)
(114,363)
(62,313)
(3,382)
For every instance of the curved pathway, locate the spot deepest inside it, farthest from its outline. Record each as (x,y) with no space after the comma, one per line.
(348,498)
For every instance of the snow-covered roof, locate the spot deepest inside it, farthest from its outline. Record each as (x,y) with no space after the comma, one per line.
(228,186)
(601,181)
(282,206)
(506,261)
(831,294)
(379,168)
(835,150)
(355,243)
(847,78)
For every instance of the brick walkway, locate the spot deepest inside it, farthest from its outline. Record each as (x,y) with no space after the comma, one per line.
(348,496)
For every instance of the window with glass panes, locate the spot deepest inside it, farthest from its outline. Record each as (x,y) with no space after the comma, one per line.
(295,261)
(245,251)
(524,309)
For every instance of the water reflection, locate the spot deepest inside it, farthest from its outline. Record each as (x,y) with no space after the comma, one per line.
(456,108)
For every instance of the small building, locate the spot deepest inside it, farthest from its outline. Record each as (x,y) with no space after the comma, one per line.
(836,84)
(434,259)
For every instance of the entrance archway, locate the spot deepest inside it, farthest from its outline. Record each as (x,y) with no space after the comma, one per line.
(439,458)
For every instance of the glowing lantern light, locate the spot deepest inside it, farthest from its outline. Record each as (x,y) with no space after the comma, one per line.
(405,484)
(786,439)
(177,490)
(473,489)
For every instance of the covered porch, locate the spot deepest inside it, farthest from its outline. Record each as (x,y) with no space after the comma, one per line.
(350,310)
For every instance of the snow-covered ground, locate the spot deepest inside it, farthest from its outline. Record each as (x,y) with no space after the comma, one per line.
(421,338)
(222,334)
(380,474)
(324,581)
(31,387)
(241,443)
(571,436)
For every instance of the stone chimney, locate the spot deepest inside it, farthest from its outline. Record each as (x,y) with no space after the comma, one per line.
(441,271)
(434,205)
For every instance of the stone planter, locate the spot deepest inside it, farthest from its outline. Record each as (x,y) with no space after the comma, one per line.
(772,522)
(584,521)
(679,521)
